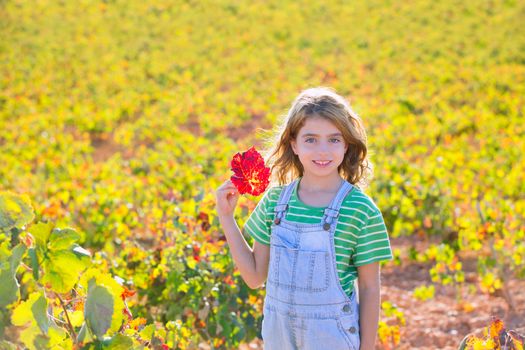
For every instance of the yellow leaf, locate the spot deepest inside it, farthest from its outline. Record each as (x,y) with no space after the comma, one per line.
(495,328)
(59,339)
(467,307)
(22,314)
(77,317)
(28,335)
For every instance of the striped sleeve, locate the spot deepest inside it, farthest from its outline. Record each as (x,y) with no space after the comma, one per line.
(373,243)
(259,224)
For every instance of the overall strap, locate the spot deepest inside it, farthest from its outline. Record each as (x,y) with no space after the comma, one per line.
(332,212)
(282,203)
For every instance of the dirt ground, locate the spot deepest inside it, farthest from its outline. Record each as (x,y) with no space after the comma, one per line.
(443,321)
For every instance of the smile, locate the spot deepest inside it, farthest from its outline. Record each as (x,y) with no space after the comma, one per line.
(322,163)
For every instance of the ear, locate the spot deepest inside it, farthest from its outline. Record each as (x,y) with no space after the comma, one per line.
(294,146)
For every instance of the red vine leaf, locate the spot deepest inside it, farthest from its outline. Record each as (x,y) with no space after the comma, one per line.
(250,175)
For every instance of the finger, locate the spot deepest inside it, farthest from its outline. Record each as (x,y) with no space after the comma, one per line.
(230,187)
(229,190)
(226,187)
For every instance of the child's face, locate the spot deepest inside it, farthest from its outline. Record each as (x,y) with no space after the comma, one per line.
(320,146)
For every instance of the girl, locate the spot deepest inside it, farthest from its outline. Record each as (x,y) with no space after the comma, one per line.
(316,233)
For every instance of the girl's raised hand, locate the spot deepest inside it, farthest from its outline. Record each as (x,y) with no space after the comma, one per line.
(226,198)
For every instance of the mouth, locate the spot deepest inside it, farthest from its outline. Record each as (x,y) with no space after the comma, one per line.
(321,162)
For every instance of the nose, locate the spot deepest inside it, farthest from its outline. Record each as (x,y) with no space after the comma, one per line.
(324,147)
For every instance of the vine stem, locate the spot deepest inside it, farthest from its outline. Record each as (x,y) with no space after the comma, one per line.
(507,295)
(67,318)
(501,269)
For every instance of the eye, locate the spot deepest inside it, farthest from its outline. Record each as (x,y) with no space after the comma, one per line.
(335,140)
(309,139)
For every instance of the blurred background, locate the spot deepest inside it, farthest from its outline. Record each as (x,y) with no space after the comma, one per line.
(118,119)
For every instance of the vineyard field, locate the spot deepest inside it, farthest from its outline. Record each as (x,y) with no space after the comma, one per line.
(118,121)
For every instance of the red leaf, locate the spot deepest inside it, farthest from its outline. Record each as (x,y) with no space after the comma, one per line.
(250,175)
(127,293)
(205,221)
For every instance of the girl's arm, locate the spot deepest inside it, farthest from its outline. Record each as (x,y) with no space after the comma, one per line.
(252,264)
(369,302)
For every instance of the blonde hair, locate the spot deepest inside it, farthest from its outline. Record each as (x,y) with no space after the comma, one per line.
(321,102)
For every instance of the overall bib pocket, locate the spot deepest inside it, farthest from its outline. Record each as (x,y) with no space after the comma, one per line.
(299,269)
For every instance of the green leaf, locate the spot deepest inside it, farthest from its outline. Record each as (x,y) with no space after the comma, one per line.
(61,259)
(40,314)
(41,232)
(98,310)
(16,257)
(79,251)
(9,287)
(92,277)
(15,211)
(4,321)
(34,263)
(61,239)
(62,269)
(119,342)
(82,333)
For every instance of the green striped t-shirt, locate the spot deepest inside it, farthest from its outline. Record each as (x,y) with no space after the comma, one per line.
(360,236)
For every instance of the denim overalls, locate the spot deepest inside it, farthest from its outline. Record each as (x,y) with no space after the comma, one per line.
(305,306)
